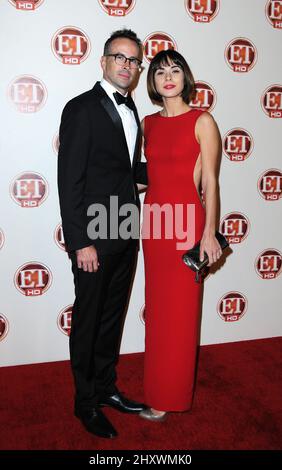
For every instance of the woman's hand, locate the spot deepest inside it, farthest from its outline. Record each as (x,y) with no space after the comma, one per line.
(210,245)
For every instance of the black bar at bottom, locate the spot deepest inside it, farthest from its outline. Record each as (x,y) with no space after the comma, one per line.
(125,459)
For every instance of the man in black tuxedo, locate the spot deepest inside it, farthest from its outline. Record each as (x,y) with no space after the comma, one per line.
(99,153)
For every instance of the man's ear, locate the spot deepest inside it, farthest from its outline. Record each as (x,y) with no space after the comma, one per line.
(103,62)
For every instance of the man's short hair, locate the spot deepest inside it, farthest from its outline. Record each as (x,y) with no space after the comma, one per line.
(122,33)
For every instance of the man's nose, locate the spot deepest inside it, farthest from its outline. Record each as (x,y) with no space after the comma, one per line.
(126,64)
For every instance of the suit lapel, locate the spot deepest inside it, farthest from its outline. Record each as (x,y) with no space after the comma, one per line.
(138,138)
(110,108)
(112,112)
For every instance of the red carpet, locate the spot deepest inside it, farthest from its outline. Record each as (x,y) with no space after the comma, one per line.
(237,405)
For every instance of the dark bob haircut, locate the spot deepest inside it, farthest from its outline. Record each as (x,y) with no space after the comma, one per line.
(166,58)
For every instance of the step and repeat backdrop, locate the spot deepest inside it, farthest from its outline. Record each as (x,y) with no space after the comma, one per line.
(50,53)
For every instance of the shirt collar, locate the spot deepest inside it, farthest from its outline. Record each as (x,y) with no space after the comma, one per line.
(109,88)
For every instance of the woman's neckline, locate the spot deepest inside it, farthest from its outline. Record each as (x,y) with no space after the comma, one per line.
(177,115)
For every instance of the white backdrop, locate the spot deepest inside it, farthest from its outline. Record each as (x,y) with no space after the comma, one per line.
(50,52)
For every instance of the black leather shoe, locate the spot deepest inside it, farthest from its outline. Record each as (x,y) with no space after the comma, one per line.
(120,403)
(96,422)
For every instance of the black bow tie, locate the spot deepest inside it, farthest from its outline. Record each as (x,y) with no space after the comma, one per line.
(127,100)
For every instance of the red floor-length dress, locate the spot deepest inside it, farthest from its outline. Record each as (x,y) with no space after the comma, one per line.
(172,297)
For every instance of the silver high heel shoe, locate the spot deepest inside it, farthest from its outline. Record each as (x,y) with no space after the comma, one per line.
(148,414)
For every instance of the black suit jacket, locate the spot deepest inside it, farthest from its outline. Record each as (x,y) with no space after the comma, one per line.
(94,164)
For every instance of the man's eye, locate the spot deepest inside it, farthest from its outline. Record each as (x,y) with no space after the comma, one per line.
(134,61)
(120,56)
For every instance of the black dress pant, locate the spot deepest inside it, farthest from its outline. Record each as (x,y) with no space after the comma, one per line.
(97,323)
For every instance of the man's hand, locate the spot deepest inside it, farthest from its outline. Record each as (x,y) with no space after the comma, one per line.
(87,259)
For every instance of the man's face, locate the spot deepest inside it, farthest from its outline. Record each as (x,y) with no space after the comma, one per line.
(120,76)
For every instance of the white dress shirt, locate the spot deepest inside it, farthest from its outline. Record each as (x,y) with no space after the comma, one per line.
(126,115)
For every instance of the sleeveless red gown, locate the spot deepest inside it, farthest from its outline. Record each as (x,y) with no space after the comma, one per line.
(172,297)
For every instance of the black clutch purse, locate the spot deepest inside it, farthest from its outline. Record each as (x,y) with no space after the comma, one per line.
(192,257)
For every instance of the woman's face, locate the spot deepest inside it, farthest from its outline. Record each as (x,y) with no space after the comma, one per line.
(169,80)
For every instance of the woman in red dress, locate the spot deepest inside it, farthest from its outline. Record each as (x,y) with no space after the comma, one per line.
(182,148)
